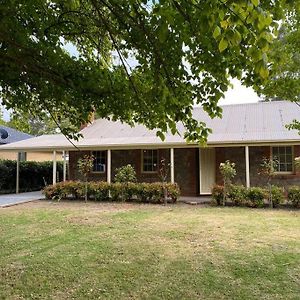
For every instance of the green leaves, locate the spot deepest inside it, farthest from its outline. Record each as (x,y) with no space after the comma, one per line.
(284,79)
(137,63)
(223,45)
(255,2)
(217,32)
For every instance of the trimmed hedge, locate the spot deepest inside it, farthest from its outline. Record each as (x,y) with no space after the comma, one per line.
(102,191)
(32,175)
(251,197)
(294,196)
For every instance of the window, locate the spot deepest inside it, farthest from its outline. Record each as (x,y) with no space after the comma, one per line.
(99,161)
(22,156)
(149,158)
(284,157)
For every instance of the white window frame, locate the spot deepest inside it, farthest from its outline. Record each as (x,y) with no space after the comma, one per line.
(292,153)
(105,159)
(142,161)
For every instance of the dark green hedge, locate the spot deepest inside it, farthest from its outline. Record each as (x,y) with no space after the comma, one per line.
(31,175)
(103,191)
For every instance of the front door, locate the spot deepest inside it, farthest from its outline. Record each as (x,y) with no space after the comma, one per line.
(207,166)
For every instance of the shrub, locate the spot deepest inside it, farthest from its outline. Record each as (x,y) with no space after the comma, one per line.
(255,197)
(277,195)
(99,191)
(85,167)
(52,192)
(116,190)
(217,194)
(125,174)
(33,175)
(75,189)
(173,191)
(237,194)
(294,196)
(150,192)
(227,170)
(63,190)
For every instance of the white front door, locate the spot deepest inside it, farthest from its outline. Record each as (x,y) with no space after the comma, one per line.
(207,169)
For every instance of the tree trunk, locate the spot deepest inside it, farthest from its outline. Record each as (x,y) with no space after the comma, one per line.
(270,195)
(86,192)
(224,193)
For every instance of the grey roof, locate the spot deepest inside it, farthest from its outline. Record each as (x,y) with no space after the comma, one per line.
(242,124)
(14,135)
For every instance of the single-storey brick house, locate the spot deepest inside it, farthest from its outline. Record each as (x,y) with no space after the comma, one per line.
(245,135)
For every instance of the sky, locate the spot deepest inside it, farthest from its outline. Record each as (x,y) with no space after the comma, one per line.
(239,94)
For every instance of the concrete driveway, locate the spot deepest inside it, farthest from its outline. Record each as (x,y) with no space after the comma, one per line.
(13,199)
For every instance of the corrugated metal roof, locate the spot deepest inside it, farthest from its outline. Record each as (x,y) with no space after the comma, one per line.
(254,123)
(14,135)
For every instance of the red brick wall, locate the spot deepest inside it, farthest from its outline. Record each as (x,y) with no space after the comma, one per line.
(256,154)
(236,155)
(185,161)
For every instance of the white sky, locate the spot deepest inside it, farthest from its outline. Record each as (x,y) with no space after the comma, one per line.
(239,94)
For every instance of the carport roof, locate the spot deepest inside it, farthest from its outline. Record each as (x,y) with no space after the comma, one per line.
(242,124)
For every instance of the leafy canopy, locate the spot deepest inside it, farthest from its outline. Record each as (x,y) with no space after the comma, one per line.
(284,80)
(184,53)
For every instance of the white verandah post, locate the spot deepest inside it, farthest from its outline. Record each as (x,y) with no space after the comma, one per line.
(172,165)
(64,166)
(18,174)
(247,166)
(108,166)
(54,168)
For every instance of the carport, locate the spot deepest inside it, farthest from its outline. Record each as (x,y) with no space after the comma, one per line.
(55,143)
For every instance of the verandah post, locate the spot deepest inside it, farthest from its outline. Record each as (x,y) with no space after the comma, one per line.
(172,165)
(54,168)
(108,166)
(64,166)
(18,173)
(247,166)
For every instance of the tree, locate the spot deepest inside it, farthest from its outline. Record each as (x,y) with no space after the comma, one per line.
(2,121)
(164,168)
(85,167)
(284,79)
(184,52)
(35,124)
(227,170)
(268,168)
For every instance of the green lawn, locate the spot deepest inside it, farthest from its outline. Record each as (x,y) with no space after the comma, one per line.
(129,251)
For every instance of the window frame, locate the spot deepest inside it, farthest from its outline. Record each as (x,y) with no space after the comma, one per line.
(105,159)
(142,161)
(292,154)
(22,156)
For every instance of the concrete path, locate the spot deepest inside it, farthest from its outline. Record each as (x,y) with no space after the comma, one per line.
(195,200)
(14,199)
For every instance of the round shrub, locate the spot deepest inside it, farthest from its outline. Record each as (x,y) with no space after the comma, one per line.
(255,197)
(237,194)
(277,195)
(294,196)
(217,194)
(125,174)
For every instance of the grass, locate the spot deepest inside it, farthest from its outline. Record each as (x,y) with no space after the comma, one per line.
(128,251)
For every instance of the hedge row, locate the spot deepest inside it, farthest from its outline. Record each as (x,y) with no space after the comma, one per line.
(103,191)
(251,197)
(32,175)
(255,196)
